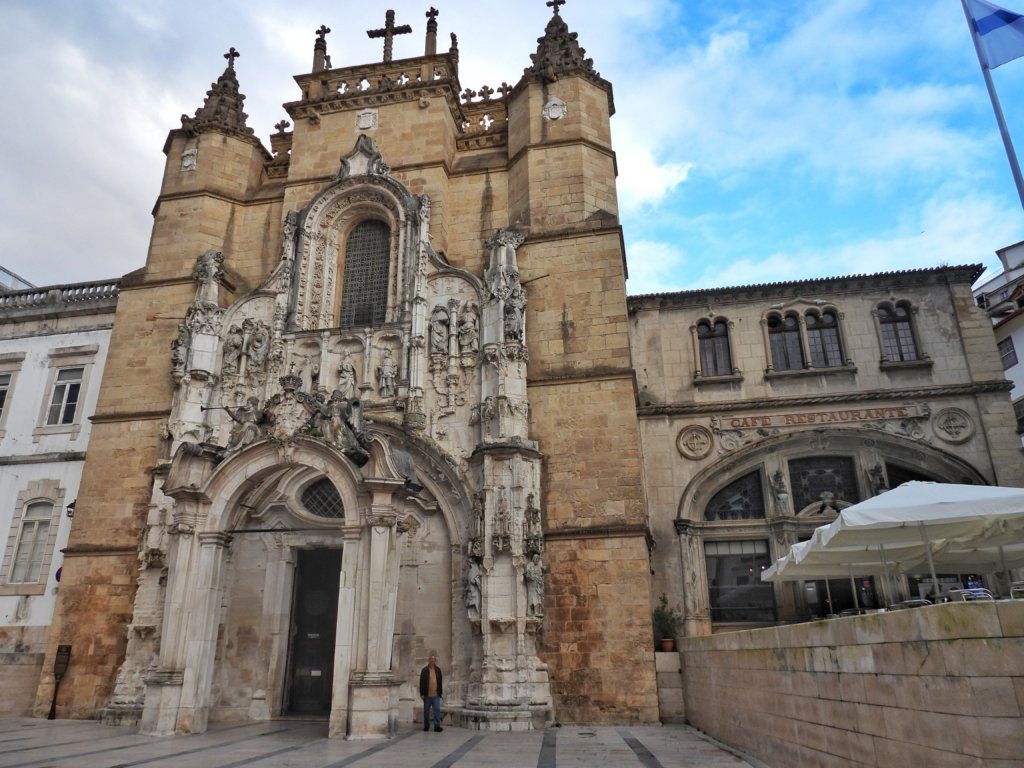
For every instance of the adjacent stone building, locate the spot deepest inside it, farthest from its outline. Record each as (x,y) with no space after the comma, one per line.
(377,393)
(53,345)
(766,409)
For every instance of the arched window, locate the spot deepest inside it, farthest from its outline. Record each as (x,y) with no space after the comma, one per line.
(364,297)
(823,480)
(31,550)
(322,499)
(823,340)
(713,339)
(784,337)
(742,499)
(895,324)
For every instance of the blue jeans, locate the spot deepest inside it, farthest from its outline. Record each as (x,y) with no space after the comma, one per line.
(432,702)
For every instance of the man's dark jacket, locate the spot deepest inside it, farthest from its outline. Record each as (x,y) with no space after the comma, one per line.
(425,680)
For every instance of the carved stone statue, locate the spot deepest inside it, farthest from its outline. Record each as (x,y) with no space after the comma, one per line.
(248,419)
(334,419)
(208,267)
(232,350)
(439,332)
(472,587)
(501,532)
(779,489)
(179,347)
(515,305)
(876,476)
(259,346)
(387,375)
(534,574)
(469,333)
(347,380)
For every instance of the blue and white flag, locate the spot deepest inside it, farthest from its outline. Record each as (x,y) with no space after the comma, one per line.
(999,32)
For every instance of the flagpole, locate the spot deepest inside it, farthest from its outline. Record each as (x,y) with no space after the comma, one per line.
(1011,155)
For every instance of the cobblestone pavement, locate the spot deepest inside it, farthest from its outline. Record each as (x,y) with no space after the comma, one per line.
(303,744)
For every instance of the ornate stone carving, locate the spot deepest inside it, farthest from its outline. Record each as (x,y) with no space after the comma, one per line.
(249,423)
(469,330)
(559,53)
(208,268)
(555,109)
(694,442)
(364,160)
(190,159)
(348,381)
(387,375)
(953,425)
(533,533)
(780,491)
(534,575)
(501,531)
(876,478)
(222,108)
(179,349)
(232,354)
(367,120)
(439,329)
(471,588)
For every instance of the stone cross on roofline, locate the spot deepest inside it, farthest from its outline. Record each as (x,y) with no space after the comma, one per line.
(554,4)
(231,55)
(388,33)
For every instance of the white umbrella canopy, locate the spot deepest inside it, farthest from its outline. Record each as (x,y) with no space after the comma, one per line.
(918,524)
(943,510)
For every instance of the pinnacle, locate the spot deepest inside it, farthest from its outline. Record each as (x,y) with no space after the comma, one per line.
(222,108)
(559,52)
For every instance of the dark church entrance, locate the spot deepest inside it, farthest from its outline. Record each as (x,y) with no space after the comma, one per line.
(314,616)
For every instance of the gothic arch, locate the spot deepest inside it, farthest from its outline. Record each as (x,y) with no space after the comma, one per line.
(364,191)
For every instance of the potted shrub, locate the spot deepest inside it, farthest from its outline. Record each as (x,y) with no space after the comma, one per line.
(666,621)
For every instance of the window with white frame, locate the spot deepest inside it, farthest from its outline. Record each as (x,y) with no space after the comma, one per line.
(67,389)
(1007,353)
(31,550)
(5,388)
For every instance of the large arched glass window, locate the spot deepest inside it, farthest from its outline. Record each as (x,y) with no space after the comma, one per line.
(823,480)
(742,499)
(823,339)
(898,341)
(784,336)
(364,297)
(713,339)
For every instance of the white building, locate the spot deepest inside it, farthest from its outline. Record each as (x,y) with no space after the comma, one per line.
(1002,296)
(53,344)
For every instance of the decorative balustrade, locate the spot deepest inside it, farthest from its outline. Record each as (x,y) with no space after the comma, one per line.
(60,296)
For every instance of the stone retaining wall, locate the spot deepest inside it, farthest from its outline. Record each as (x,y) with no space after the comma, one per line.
(941,687)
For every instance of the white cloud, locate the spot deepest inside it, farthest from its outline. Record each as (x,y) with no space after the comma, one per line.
(653,267)
(947,230)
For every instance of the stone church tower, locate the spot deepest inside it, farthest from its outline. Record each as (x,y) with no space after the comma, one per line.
(370,398)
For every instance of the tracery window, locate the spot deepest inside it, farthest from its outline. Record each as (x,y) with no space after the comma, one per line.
(895,324)
(823,340)
(713,340)
(784,338)
(742,499)
(364,296)
(323,500)
(823,480)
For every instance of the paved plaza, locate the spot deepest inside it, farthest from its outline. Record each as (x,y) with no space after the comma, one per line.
(301,744)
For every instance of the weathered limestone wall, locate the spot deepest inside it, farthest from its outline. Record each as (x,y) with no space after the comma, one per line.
(21,658)
(937,686)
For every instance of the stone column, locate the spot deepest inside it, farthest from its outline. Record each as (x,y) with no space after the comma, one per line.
(696,605)
(345,634)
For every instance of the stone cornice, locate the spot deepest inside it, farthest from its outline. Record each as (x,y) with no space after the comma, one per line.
(113,418)
(888,282)
(99,550)
(777,403)
(622,531)
(42,458)
(583,377)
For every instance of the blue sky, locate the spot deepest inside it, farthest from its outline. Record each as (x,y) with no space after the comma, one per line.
(756,141)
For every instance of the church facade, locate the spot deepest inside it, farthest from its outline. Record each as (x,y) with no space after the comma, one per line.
(394,349)
(378,393)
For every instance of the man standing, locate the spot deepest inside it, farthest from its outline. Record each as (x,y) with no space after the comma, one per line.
(431,690)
